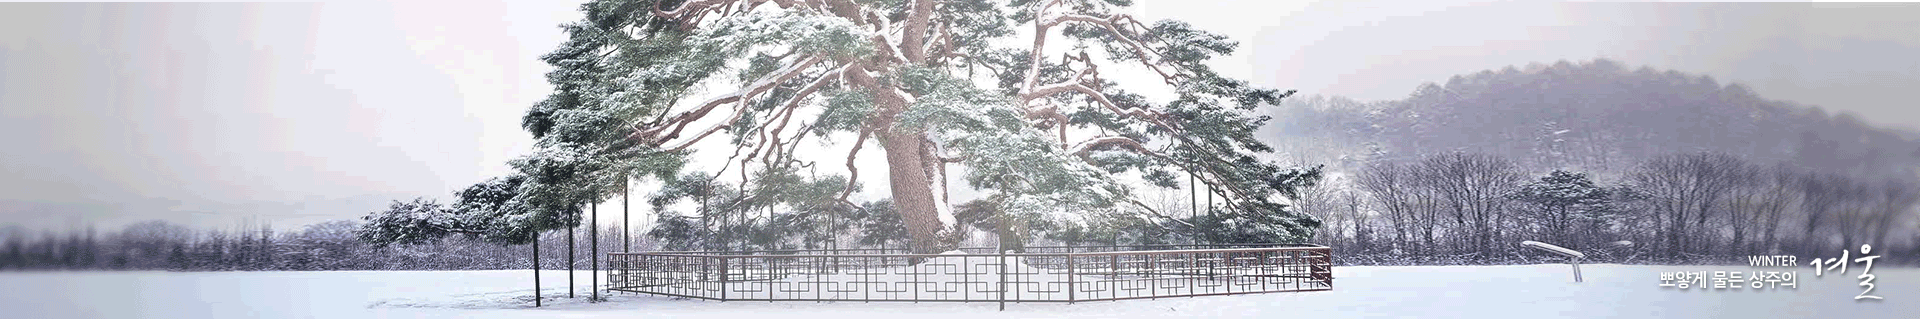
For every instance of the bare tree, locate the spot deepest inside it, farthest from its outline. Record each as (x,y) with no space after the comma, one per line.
(1472,187)
(1745,200)
(1388,185)
(1897,197)
(1362,221)
(1427,208)
(1317,201)
(147,242)
(1777,196)
(1820,193)
(1685,188)
(1851,215)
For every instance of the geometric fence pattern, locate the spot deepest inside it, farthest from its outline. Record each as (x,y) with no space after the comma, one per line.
(1041,274)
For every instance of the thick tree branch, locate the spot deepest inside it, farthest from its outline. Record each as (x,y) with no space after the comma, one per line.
(1147,56)
(679,122)
(916,30)
(784,114)
(1151,117)
(941,46)
(859,75)
(1128,143)
(1078,78)
(844,8)
(1039,46)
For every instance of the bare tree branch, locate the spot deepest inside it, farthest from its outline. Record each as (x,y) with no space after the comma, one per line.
(853,173)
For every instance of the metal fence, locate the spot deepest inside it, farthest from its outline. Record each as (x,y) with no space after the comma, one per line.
(1041,274)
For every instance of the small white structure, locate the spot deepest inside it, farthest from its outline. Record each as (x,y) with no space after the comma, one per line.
(1573,257)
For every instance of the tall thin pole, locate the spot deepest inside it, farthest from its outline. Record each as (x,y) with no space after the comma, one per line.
(536,269)
(593,254)
(1193,196)
(574,219)
(706,224)
(740,219)
(626,225)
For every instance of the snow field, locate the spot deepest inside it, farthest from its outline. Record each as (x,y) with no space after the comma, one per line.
(1524,291)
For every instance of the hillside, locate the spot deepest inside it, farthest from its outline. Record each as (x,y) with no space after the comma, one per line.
(1592,116)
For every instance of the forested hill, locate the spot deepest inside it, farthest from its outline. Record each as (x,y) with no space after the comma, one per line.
(1598,116)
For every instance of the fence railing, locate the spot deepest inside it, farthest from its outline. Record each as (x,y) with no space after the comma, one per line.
(1041,274)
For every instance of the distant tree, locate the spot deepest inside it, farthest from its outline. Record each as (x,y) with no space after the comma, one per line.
(177,258)
(1747,205)
(334,245)
(1471,188)
(879,225)
(1897,198)
(15,255)
(1685,189)
(148,244)
(209,252)
(1563,199)
(1010,231)
(1821,193)
(1775,200)
(1390,186)
(1362,222)
(697,231)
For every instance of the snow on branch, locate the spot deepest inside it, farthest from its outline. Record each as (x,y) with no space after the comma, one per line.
(784,115)
(759,86)
(1120,26)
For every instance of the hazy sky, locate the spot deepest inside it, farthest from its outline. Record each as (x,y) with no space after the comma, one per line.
(293,113)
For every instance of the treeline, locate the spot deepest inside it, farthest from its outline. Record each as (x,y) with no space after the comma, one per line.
(1685,168)
(1677,208)
(158,245)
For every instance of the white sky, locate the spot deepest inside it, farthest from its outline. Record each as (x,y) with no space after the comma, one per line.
(294,113)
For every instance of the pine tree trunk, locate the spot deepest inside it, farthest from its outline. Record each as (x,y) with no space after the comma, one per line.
(912,189)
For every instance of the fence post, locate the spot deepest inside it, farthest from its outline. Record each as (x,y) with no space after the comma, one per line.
(819,272)
(723,278)
(1070,276)
(1003,280)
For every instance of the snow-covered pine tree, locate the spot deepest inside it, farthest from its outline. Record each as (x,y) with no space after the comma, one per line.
(933,84)
(1561,201)
(983,89)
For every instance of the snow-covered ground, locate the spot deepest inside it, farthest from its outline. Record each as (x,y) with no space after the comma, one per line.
(1530,291)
